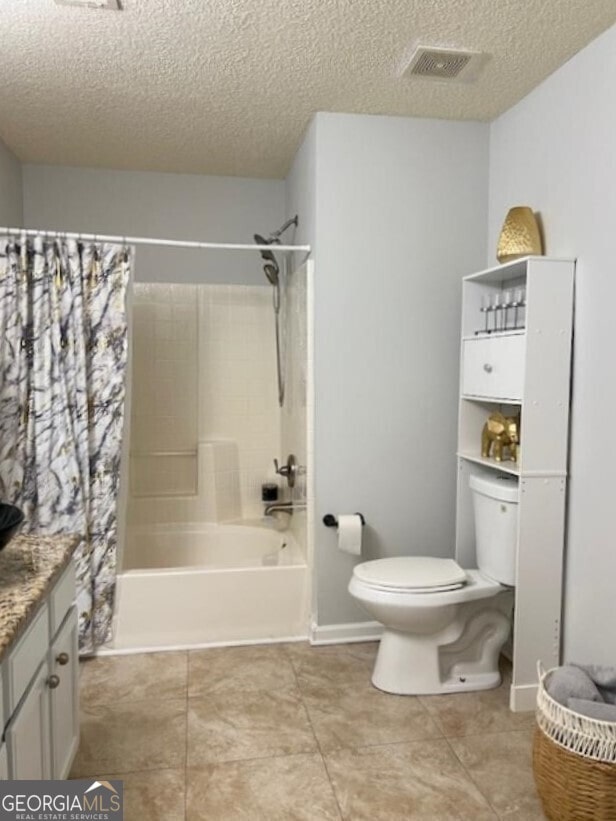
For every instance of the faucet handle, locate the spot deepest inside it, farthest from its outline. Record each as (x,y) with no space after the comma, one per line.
(289,471)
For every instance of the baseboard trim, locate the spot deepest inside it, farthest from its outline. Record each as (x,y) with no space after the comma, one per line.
(345,633)
(170,648)
(523,698)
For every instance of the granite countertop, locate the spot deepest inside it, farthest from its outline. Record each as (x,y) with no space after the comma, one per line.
(29,566)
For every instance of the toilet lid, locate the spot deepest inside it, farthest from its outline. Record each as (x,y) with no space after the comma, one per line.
(412,573)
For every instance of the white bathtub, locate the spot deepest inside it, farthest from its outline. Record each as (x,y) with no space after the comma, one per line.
(195,585)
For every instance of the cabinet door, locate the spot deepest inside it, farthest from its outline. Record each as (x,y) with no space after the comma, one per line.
(27,735)
(64,669)
(494,367)
(4,764)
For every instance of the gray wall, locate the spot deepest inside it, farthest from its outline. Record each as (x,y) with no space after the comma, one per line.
(555,152)
(172,206)
(11,199)
(401,215)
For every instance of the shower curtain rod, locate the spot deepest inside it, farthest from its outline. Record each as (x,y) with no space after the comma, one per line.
(170,243)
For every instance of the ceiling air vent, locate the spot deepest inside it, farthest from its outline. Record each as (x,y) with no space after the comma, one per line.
(444,64)
(91,4)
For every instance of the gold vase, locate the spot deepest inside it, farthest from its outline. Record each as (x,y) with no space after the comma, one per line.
(520,235)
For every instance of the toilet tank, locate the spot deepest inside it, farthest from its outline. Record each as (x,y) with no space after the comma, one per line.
(495,507)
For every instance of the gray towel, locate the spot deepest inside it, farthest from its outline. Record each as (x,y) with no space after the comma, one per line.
(571,681)
(605,679)
(593,709)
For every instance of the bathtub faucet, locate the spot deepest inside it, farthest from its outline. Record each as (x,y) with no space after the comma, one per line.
(283,507)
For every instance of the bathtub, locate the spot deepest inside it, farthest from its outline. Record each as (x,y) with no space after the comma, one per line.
(206,584)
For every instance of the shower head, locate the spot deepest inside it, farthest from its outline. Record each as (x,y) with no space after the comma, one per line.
(259,240)
(270,267)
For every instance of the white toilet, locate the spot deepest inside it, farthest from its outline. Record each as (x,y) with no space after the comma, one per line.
(443,626)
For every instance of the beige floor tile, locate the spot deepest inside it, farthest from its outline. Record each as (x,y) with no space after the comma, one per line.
(111,679)
(236,726)
(337,665)
(422,780)
(483,711)
(294,788)
(157,795)
(237,669)
(131,736)
(501,766)
(350,718)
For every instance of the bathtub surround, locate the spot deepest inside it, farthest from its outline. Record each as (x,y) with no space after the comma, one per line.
(11,188)
(205,417)
(64,351)
(201,565)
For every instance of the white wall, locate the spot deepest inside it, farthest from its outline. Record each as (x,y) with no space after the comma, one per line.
(400,216)
(555,152)
(173,206)
(11,199)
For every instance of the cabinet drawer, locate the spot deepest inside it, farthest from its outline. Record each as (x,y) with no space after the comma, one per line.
(26,657)
(494,367)
(62,598)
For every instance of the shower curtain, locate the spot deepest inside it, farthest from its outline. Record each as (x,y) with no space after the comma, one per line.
(63,357)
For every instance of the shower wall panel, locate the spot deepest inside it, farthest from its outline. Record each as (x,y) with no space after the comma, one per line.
(238,394)
(294,415)
(164,406)
(203,371)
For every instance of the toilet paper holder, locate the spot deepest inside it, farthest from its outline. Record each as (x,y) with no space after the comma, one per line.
(329,520)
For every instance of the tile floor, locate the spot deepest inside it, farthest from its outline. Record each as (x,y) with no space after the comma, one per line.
(297,733)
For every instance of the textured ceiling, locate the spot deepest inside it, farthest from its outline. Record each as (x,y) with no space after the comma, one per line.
(228,86)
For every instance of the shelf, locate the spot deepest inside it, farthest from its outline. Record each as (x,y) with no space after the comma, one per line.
(494,335)
(512,468)
(510,270)
(491,400)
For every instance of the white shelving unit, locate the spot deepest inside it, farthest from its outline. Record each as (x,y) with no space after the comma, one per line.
(523,371)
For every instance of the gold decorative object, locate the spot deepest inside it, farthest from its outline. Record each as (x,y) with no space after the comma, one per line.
(520,235)
(501,432)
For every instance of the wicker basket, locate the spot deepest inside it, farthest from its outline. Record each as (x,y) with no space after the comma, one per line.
(574,761)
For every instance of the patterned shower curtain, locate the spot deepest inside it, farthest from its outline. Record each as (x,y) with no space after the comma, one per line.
(63,358)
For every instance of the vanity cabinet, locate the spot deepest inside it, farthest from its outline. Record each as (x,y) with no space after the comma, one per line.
(40,690)
(522,372)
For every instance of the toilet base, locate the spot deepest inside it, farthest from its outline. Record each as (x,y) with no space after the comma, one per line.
(410,664)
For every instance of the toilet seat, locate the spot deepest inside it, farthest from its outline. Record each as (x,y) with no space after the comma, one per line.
(411,574)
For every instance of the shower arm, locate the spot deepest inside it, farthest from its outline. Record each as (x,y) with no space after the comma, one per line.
(276,234)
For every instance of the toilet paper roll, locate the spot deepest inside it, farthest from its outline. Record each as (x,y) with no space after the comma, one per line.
(349,533)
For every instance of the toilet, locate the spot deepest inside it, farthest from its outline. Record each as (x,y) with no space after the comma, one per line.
(444,626)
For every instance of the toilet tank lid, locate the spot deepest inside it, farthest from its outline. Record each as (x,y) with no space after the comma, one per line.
(411,572)
(503,488)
